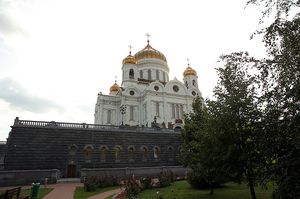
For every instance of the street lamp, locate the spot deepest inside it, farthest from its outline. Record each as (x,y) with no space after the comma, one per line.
(123,111)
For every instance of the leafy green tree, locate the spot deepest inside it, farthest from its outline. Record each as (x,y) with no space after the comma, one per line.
(237,118)
(200,150)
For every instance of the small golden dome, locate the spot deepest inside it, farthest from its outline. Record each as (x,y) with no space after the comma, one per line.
(149,52)
(129,60)
(114,88)
(189,71)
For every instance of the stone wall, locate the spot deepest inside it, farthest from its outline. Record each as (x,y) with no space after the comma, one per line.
(49,147)
(124,173)
(26,177)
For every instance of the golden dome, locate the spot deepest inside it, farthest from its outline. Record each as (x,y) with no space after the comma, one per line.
(129,60)
(189,71)
(149,52)
(114,88)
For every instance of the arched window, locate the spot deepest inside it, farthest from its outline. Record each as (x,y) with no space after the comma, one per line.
(149,74)
(108,116)
(88,150)
(144,151)
(157,108)
(157,74)
(141,74)
(170,153)
(194,82)
(131,74)
(117,153)
(72,150)
(186,84)
(103,152)
(131,153)
(155,152)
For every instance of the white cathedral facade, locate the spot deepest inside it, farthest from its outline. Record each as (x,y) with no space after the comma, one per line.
(146,93)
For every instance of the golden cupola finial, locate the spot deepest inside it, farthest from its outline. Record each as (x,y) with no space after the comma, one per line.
(129,59)
(189,70)
(115,87)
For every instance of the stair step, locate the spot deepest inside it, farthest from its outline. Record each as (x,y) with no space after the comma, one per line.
(68,180)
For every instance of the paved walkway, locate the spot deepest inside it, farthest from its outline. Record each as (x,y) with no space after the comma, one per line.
(62,190)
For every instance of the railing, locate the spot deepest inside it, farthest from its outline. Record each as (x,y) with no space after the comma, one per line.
(54,124)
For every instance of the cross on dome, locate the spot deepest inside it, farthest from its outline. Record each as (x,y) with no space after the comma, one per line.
(130,47)
(188,61)
(148,36)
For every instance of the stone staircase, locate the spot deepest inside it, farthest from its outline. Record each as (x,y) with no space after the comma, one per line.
(69,180)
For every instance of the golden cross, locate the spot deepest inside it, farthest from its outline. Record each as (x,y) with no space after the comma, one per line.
(148,36)
(188,61)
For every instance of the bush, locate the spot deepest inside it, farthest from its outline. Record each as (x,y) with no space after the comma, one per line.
(132,188)
(90,185)
(165,178)
(146,183)
(199,182)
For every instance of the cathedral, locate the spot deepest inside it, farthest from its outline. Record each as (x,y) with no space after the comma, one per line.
(146,94)
(135,132)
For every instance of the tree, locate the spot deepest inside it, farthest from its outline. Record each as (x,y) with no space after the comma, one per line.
(200,150)
(237,115)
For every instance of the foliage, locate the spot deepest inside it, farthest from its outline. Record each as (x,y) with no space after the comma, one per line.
(132,188)
(200,150)
(94,182)
(198,182)
(145,182)
(182,190)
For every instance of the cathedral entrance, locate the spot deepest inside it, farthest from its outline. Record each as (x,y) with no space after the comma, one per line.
(71,173)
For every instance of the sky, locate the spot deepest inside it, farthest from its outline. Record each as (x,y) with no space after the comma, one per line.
(57,55)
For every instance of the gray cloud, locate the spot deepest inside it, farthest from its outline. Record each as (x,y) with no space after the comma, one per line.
(18,97)
(7,25)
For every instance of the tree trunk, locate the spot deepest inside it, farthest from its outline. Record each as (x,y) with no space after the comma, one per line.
(251,186)
(211,189)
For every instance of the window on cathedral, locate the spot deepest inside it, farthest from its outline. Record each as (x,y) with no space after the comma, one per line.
(72,150)
(141,74)
(194,82)
(156,88)
(103,152)
(164,76)
(173,110)
(157,74)
(131,74)
(108,116)
(157,109)
(177,111)
(170,153)
(117,153)
(131,153)
(131,93)
(144,153)
(88,153)
(193,93)
(155,152)
(186,84)
(149,74)
(131,109)
(175,88)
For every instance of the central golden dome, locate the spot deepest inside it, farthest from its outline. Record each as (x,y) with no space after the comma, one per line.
(149,52)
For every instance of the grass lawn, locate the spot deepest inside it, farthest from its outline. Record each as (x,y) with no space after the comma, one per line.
(182,190)
(81,194)
(26,192)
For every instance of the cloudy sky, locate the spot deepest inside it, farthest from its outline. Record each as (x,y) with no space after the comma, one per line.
(56,55)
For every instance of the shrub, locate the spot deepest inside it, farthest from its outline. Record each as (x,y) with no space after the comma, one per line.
(90,185)
(132,188)
(146,183)
(165,178)
(199,182)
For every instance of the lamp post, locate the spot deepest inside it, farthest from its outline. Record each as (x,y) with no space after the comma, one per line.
(123,111)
